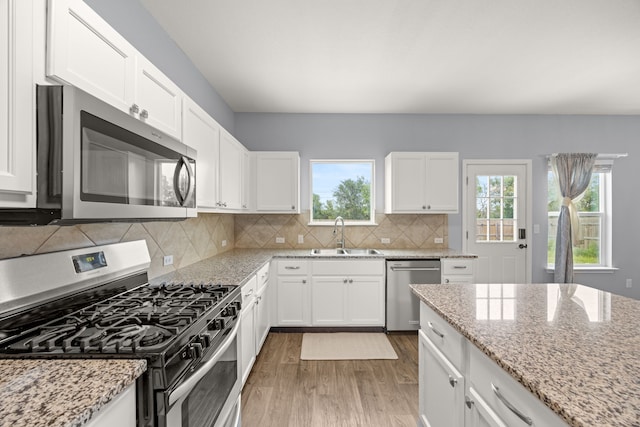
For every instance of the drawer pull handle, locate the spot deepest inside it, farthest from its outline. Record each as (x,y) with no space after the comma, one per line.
(248,294)
(289,267)
(459,267)
(435,331)
(452,381)
(512,408)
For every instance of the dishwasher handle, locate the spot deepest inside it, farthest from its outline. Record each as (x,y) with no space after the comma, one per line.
(415,268)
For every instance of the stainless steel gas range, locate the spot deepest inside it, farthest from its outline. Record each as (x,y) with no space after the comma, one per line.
(96,303)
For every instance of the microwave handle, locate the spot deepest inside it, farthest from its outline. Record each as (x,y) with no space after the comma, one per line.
(183,200)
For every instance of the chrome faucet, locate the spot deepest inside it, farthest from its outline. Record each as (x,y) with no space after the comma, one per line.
(335,230)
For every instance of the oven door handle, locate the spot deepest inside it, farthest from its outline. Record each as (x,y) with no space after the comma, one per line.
(184,388)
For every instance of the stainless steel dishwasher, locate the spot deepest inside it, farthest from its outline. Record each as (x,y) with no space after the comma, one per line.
(403,308)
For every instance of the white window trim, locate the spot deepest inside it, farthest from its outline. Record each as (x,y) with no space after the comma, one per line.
(331,222)
(606,244)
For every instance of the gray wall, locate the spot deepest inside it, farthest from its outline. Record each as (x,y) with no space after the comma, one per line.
(331,136)
(135,23)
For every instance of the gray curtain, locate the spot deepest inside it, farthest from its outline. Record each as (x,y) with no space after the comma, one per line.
(573,173)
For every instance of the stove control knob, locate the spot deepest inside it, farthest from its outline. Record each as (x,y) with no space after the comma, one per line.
(205,340)
(230,311)
(216,325)
(196,350)
(186,353)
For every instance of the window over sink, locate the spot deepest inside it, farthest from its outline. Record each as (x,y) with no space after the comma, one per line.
(342,188)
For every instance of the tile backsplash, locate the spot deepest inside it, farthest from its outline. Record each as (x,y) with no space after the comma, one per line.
(404,231)
(198,238)
(188,241)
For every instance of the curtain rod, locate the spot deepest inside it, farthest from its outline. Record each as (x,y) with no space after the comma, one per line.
(602,156)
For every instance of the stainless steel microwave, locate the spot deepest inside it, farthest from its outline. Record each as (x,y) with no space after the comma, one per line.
(96,163)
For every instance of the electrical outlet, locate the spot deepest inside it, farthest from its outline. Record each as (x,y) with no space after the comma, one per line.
(438,240)
(224,243)
(536,228)
(279,239)
(300,238)
(167,260)
(629,283)
(385,240)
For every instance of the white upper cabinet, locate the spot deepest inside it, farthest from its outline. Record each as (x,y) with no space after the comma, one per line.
(276,185)
(157,98)
(232,173)
(220,162)
(418,182)
(201,132)
(17,104)
(85,51)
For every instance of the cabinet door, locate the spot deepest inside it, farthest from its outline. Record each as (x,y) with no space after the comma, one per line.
(17,104)
(480,413)
(121,411)
(231,173)
(365,296)
(441,392)
(329,301)
(442,182)
(405,177)
(158,99)
(263,320)
(277,182)
(85,51)
(247,338)
(202,133)
(293,301)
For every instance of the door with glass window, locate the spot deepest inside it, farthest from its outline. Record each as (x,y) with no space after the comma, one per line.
(495,224)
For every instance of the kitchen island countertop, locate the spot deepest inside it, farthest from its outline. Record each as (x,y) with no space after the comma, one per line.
(576,348)
(61,392)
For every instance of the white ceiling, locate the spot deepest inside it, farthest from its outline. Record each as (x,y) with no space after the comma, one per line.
(413,56)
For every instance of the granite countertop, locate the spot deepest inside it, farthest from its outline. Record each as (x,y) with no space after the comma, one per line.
(61,393)
(236,266)
(579,354)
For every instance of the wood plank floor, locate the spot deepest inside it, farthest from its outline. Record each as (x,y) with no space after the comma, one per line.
(283,390)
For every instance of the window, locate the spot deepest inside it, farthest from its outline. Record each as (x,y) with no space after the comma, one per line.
(496,197)
(342,188)
(594,211)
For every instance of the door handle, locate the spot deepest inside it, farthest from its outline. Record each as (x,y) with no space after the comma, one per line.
(522,246)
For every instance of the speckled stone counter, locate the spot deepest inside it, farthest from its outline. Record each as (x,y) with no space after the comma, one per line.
(61,393)
(579,353)
(236,266)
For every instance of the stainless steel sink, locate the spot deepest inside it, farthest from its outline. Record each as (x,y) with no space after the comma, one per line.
(362,251)
(340,251)
(330,251)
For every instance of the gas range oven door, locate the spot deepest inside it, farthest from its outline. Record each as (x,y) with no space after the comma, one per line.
(210,396)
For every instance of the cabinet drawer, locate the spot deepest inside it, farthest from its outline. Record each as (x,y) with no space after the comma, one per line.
(292,267)
(490,381)
(249,291)
(262,276)
(457,266)
(449,341)
(348,267)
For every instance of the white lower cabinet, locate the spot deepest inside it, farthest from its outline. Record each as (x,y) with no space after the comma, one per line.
(510,402)
(347,292)
(255,321)
(441,387)
(120,412)
(461,386)
(330,292)
(263,305)
(293,289)
(480,413)
(457,270)
(248,327)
